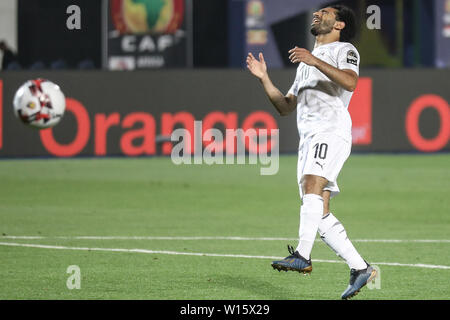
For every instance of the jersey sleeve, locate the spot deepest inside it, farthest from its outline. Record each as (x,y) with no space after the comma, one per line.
(348,58)
(294,88)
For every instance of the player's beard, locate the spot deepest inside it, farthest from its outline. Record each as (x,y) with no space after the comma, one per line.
(321,28)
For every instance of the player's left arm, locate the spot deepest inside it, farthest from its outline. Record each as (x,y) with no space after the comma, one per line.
(345,78)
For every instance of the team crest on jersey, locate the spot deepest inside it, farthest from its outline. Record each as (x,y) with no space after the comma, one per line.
(352,57)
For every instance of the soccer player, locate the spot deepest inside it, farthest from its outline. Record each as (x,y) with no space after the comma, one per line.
(321,92)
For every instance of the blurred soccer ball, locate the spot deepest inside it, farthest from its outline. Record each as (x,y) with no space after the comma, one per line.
(39,103)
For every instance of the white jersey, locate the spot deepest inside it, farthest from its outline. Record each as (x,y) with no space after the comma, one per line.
(322,105)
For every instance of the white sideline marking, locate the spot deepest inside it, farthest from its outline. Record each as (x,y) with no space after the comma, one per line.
(213,238)
(417,265)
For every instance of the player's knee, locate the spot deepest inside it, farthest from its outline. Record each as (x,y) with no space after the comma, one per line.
(326,202)
(314,184)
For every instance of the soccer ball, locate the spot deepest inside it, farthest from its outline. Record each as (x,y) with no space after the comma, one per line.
(39,103)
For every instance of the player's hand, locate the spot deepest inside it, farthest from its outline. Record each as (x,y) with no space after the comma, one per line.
(257,68)
(298,55)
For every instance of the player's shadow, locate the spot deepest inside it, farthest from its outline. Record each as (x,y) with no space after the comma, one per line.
(258,289)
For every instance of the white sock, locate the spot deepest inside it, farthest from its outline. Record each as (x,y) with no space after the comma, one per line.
(311,213)
(334,235)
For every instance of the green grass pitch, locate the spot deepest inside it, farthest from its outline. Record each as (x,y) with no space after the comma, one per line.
(400,197)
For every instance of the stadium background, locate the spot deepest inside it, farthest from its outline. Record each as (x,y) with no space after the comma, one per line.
(401,103)
(137,69)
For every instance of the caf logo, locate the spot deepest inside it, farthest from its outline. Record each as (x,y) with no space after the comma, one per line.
(147,16)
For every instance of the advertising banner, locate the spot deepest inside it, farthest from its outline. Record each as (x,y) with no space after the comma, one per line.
(134,114)
(442,32)
(147,34)
(270,28)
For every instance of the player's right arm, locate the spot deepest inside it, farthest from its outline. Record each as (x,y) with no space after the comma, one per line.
(284,104)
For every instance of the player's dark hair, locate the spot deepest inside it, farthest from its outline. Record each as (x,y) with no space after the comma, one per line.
(346,15)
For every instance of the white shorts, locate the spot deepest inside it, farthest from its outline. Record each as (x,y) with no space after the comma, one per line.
(323,155)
